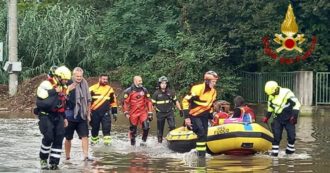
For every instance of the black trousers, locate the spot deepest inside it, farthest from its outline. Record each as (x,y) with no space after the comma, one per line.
(97,119)
(161,117)
(51,127)
(200,126)
(277,128)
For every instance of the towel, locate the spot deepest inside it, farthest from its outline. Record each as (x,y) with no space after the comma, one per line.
(83,96)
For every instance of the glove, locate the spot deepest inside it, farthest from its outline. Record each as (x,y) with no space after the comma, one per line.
(150,114)
(293,120)
(181,113)
(114,116)
(127,115)
(265,120)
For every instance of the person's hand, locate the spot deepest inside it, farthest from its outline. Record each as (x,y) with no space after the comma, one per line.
(114,116)
(181,113)
(187,122)
(265,120)
(57,89)
(127,115)
(150,116)
(293,120)
(72,86)
(66,123)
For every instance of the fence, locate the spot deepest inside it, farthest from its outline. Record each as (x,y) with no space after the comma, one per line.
(322,88)
(252,84)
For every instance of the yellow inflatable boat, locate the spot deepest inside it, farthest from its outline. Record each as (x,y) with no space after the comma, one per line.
(233,138)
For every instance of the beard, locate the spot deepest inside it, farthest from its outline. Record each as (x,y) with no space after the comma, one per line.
(103,83)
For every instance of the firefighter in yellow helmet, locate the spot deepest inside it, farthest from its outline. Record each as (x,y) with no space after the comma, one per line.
(284,107)
(51,96)
(197,109)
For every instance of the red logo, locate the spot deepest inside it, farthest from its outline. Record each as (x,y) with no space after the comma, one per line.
(289,41)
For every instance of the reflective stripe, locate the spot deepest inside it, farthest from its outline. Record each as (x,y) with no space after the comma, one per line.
(97,97)
(187,97)
(291,145)
(275,146)
(45,147)
(56,150)
(94,138)
(163,102)
(274,151)
(201,148)
(290,149)
(55,155)
(44,151)
(107,138)
(200,143)
(153,101)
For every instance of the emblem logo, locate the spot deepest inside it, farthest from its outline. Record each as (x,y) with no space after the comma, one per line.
(289,40)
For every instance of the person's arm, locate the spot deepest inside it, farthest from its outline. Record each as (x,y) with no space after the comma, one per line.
(126,103)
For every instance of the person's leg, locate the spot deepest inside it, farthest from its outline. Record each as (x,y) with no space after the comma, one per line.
(46,129)
(69,131)
(145,128)
(160,126)
(201,131)
(95,123)
(106,127)
(277,129)
(291,134)
(133,128)
(171,121)
(82,131)
(56,150)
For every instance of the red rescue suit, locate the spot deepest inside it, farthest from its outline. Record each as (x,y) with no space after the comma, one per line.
(137,104)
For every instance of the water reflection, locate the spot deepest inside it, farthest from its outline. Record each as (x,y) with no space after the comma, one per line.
(20,142)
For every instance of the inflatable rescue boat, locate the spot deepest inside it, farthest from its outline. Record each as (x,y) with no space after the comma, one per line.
(232,138)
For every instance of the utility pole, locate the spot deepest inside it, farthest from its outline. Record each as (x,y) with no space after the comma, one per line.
(12,45)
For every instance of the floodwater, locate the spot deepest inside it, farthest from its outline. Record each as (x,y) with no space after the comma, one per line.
(20,142)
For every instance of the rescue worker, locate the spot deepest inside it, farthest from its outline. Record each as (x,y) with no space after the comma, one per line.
(51,96)
(242,111)
(104,104)
(138,109)
(198,108)
(78,112)
(284,107)
(164,100)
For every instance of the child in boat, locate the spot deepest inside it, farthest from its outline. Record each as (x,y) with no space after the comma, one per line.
(221,112)
(242,111)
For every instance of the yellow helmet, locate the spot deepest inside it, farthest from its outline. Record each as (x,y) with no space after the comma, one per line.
(63,73)
(271,87)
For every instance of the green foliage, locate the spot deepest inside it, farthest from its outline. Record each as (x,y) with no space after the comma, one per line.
(180,39)
(52,35)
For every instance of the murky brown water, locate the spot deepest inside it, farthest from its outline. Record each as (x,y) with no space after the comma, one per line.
(20,142)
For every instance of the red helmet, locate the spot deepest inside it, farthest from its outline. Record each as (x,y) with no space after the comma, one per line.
(211,75)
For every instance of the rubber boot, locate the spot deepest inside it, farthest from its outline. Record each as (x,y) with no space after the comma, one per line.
(201,154)
(145,135)
(160,139)
(106,140)
(44,165)
(133,141)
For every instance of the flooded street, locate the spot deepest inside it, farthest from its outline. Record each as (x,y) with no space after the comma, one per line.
(20,142)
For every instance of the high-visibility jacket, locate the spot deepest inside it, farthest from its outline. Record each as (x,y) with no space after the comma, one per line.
(48,99)
(199,100)
(137,101)
(284,100)
(103,98)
